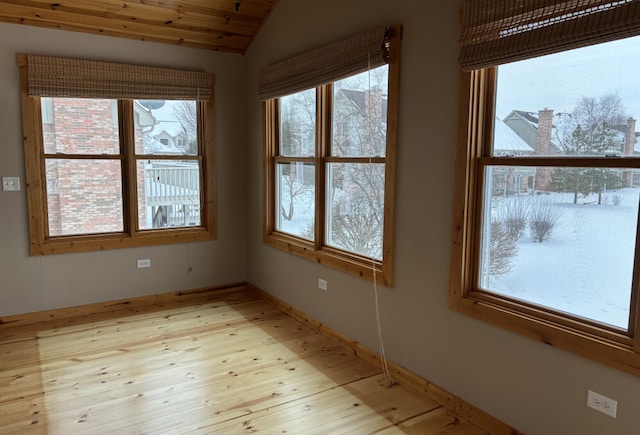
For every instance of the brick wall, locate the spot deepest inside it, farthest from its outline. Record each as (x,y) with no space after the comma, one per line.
(84,196)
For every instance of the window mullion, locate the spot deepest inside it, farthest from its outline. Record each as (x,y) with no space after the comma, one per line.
(129,179)
(271,122)
(323,150)
(563,161)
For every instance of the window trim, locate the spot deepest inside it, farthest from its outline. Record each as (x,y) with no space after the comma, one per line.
(358,265)
(131,236)
(475,117)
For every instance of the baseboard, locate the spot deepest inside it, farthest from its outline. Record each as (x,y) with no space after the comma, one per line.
(115,305)
(399,373)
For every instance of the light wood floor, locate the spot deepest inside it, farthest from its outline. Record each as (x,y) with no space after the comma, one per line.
(228,362)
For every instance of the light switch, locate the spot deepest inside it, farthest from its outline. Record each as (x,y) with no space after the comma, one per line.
(10,184)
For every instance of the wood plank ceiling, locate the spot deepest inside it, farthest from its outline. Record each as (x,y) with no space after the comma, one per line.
(223,25)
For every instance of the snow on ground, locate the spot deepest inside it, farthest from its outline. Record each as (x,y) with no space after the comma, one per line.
(303,215)
(586,267)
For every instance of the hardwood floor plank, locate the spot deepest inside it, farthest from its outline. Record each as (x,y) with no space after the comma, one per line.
(363,406)
(436,421)
(229,364)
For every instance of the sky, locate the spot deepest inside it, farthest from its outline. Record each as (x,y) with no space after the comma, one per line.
(559,81)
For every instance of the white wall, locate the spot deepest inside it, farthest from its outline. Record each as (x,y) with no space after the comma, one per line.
(531,386)
(30,284)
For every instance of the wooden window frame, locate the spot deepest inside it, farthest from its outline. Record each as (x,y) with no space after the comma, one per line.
(43,244)
(317,250)
(587,339)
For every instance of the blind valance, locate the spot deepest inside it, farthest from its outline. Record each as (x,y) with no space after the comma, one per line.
(501,31)
(324,65)
(50,76)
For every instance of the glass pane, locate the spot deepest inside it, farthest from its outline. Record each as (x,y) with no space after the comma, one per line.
(360,114)
(83,196)
(298,124)
(80,126)
(166,127)
(355,207)
(578,102)
(295,199)
(168,193)
(569,248)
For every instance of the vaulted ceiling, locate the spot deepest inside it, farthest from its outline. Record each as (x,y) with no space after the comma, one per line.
(224,25)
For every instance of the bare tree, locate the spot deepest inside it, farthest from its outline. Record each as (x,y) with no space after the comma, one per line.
(357,189)
(589,130)
(297,139)
(293,187)
(185,113)
(355,227)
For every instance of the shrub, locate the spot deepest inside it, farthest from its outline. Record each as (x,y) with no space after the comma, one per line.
(513,213)
(616,200)
(502,249)
(543,216)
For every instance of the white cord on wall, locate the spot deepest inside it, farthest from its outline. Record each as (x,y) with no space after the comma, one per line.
(388,379)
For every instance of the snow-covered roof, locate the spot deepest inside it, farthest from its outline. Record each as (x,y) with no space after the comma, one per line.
(506,140)
(173,128)
(531,119)
(153,146)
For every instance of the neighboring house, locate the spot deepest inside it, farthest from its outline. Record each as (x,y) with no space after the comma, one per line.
(170,134)
(629,140)
(527,125)
(360,122)
(539,132)
(510,180)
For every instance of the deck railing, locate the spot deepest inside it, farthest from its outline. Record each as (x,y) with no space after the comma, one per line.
(173,183)
(172,192)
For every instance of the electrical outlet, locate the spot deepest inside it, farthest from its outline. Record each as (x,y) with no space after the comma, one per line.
(602,403)
(10,184)
(322,284)
(144,263)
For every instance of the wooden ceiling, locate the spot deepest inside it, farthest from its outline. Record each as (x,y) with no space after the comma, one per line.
(224,25)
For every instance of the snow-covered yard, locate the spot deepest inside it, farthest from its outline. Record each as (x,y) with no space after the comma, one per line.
(586,266)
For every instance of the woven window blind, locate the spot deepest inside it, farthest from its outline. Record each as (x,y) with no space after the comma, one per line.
(63,77)
(501,31)
(324,65)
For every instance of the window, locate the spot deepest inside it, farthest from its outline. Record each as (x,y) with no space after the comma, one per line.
(330,148)
(546,208)
(102,168)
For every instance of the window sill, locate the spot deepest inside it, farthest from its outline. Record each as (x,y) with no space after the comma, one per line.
(356,265)
(614,350)
(100,242)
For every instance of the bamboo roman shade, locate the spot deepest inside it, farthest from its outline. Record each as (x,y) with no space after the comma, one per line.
(324,65)
(501,31)
(63,77)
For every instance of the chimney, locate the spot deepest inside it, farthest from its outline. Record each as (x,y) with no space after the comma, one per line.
(543,148)
(629,142)
(545,126)
(630,137)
